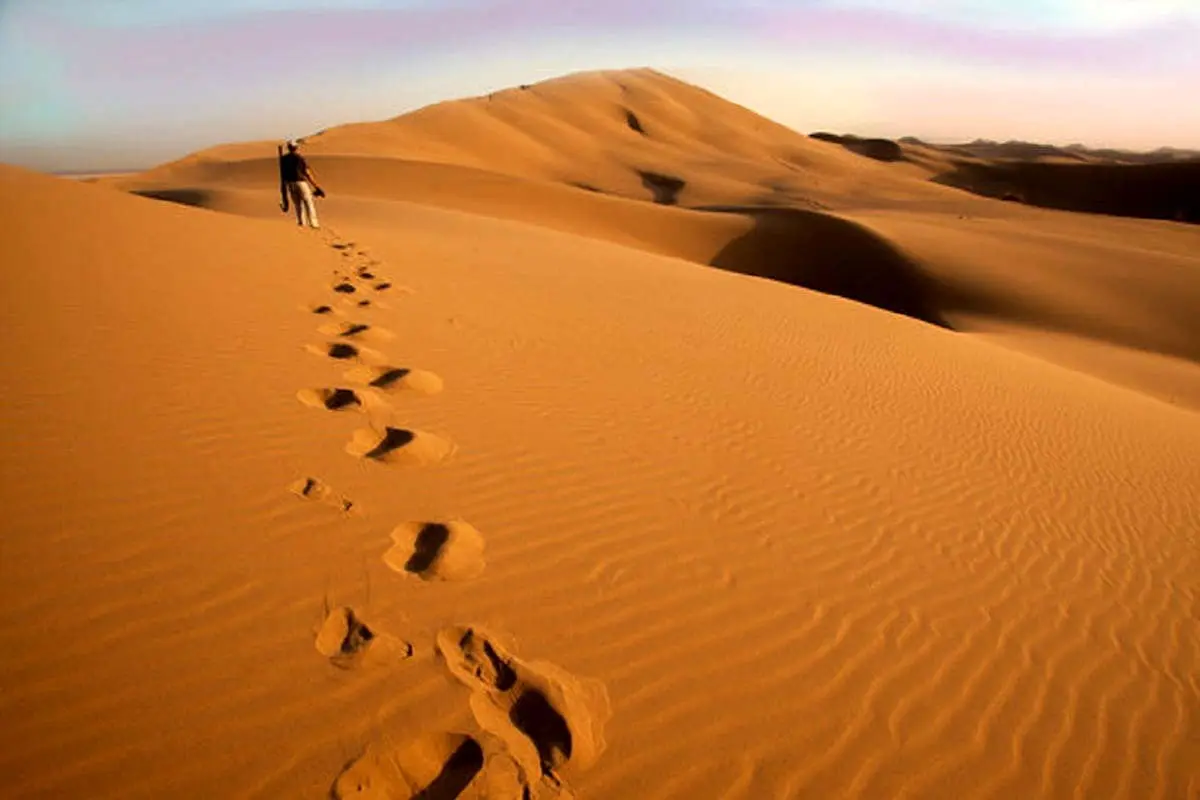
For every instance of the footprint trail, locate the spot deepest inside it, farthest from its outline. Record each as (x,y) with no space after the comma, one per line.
(533,717)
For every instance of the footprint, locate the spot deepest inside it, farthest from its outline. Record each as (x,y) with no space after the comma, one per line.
(435,766)
(365,275)
(341,399)
(343,351)
(331,399)
(343,636)
(315,489)
(398,445)
(475,660)
(359,331)
(537,718)
(348,643)
(364,303)
(344,288)
(436,551)
(353,329)
(390,379)
(342,245)
(545,716)
(383,286)
(322,309)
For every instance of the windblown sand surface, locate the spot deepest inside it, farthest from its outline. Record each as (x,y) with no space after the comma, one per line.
(498,484)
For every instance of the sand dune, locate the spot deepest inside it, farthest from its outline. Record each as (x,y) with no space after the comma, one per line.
(499,485)
(1033,151)
(885,234)
(627,133)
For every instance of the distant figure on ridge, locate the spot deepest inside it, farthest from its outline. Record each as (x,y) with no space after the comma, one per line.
(297,182)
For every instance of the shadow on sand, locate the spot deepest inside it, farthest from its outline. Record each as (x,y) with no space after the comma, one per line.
(665,188)
(830,255)
(877,149)
(1153,191)
(198,198)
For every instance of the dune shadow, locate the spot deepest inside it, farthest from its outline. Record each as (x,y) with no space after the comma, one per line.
(1151,191)
(665,188)
(197,198)
(876,149)
(831,255)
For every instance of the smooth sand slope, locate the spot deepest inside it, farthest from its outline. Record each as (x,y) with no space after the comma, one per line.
(493,487)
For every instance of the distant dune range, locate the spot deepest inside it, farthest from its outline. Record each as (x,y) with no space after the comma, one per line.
(608,441)
(1159,185)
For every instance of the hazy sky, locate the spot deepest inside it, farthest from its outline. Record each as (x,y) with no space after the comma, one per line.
(128,83)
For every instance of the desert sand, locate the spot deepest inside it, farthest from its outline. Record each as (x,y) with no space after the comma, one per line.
(607,441)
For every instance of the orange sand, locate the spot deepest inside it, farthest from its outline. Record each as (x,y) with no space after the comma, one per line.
(578,503)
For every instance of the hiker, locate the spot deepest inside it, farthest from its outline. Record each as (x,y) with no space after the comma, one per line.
(297,182)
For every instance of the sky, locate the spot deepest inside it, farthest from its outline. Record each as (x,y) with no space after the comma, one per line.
(113,84)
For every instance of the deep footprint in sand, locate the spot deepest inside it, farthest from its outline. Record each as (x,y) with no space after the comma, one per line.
(546,716)
(344,288)
(338,399)
(330,399)
(344,351)
(389,379)
(358,331)
(318,491)
(341,351)
(473,658)
(434,766)
(436,551)
(343,638)
(399,445)
(348,642)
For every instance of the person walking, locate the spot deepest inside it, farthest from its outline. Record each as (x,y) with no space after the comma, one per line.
(298,184)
